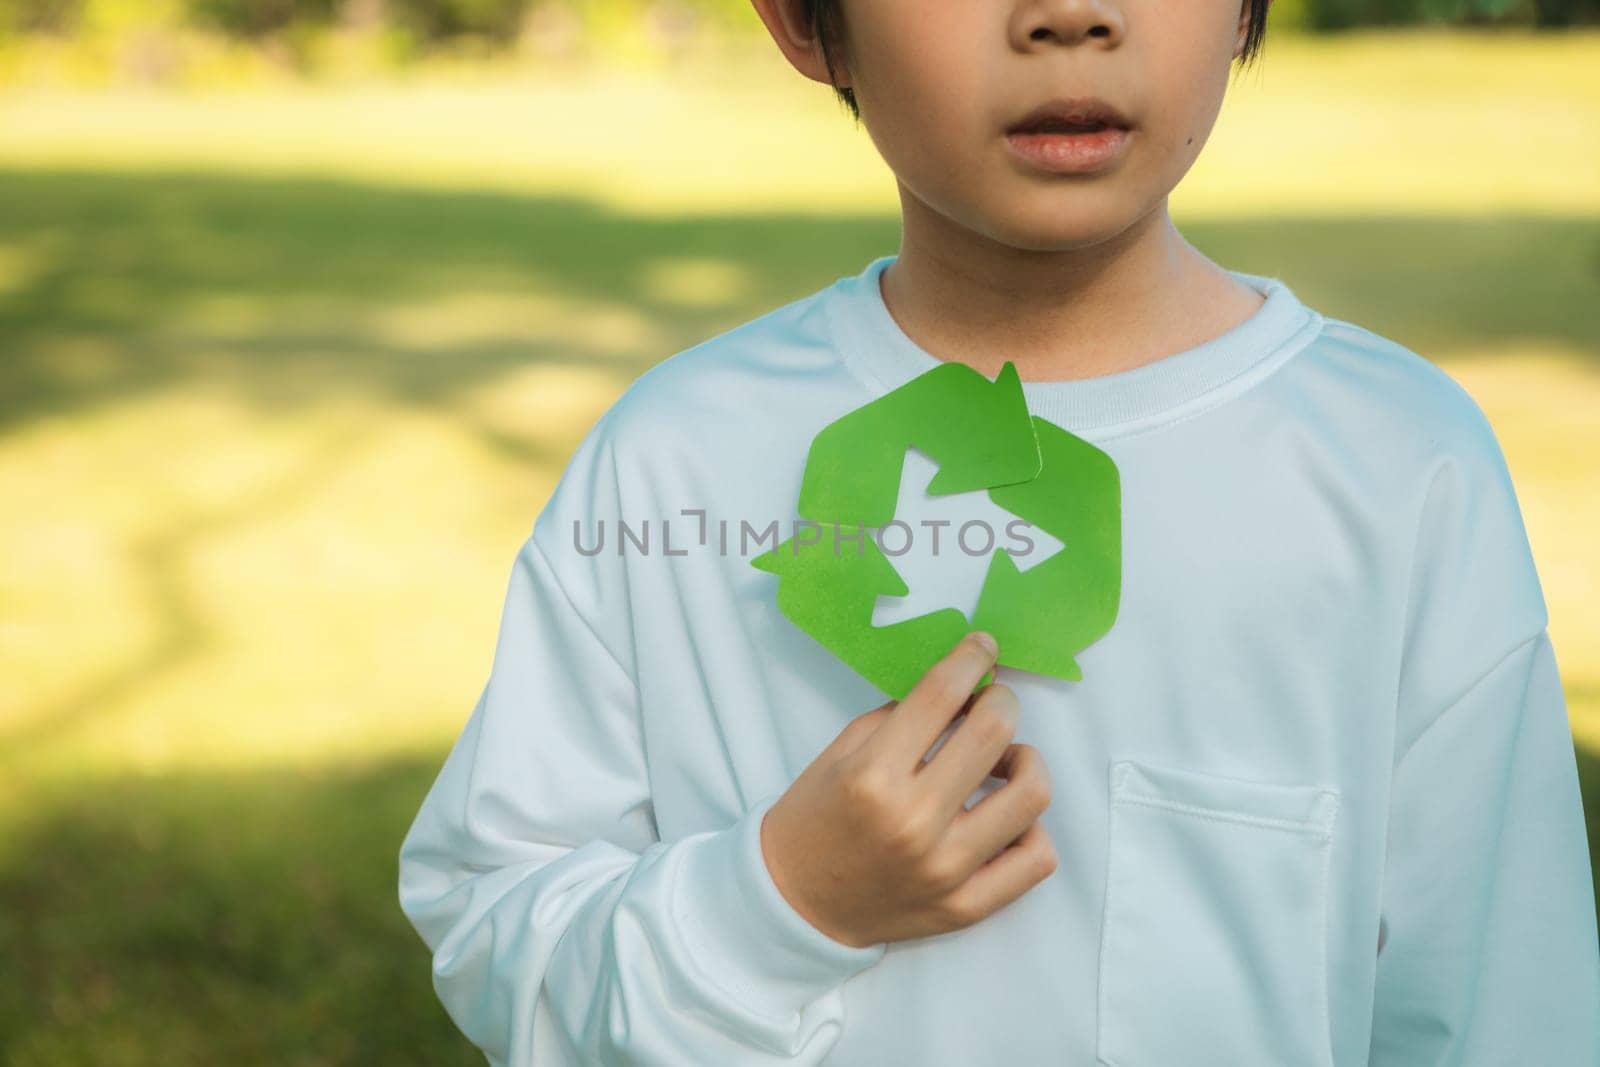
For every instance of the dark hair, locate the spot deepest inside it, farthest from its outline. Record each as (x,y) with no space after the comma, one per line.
(827,25)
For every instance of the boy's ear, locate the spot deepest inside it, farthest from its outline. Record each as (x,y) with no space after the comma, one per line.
(786,22)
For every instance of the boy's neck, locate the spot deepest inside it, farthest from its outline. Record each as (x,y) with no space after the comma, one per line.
(1121,303)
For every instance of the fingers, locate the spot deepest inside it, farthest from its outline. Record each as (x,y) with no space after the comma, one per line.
(1018,868)
(937,698)
(971,752)
(1006,813)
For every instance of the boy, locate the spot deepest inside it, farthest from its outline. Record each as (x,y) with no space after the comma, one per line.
(1313,800)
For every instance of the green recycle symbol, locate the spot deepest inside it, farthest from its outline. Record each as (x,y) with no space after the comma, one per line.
(982,437)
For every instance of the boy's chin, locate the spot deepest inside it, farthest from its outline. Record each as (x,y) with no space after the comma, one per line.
(1060,230)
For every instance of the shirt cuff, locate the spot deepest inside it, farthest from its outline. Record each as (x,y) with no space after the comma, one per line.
(746,935)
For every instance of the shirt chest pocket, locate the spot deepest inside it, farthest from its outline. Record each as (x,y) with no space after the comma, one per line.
(1214,937)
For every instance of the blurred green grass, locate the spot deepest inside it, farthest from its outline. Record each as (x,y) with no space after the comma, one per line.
(286,376)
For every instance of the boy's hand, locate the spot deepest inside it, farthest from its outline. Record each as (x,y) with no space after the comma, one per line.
(872,843)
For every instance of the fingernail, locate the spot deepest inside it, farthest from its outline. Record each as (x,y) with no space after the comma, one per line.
(987,640)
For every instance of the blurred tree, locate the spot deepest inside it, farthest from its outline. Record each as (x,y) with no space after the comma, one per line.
(255,18)
(1567,12)
(40,16)
(1348,14)
(501,21)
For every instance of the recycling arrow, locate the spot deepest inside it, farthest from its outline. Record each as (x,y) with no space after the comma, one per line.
(975,429)
(828,590)
(1041,616)
(982,436)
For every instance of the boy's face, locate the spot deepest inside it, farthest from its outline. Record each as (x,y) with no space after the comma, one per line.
(939,82)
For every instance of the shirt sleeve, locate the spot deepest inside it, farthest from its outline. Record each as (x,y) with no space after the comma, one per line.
(1487,950)
(563,930)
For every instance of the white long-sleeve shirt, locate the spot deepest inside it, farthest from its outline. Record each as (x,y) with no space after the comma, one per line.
(1315,799)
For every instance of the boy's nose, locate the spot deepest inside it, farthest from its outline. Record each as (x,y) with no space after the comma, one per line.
(1052,22)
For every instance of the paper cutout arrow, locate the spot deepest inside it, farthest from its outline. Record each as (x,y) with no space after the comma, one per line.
(976,430)
(1065,603)
(982,437)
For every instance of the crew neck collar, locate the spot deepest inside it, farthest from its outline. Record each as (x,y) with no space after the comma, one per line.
(874,346)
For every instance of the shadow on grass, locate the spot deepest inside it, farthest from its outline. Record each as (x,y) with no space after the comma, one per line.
(119,258)
(240,919)
(235,919)
(116,255)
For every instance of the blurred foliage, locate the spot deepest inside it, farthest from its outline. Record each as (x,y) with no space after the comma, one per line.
(252,18)
(1341,14)
(210,41)
(207,42)
(502,21)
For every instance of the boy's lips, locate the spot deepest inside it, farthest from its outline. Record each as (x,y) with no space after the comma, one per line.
(1069,153)
(1064,112)
(1070,135)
